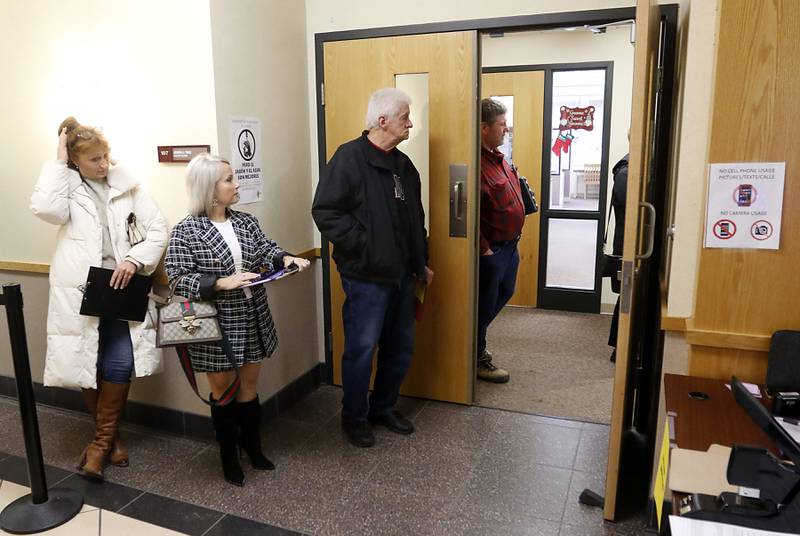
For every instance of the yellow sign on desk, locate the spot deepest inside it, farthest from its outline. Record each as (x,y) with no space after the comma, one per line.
(660,487)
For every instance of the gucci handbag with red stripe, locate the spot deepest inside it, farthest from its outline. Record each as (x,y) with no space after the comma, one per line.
(187,322)
(181,323)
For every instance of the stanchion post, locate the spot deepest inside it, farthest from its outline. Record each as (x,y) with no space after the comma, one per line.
(27,403)
(40,510)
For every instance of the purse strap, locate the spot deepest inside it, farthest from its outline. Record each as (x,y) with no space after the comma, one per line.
(229,395)
(173,286)
(608,222)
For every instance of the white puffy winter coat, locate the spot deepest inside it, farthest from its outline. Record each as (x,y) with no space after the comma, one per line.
(61,198)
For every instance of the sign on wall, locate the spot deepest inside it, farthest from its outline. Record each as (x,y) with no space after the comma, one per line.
(246,158)
(745,204)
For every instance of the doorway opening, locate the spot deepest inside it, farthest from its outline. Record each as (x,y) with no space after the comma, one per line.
(568,126)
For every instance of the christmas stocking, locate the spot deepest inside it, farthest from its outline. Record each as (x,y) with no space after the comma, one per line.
(567,142)
(559,144)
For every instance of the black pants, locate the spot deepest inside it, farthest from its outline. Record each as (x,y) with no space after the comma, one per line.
(612,333)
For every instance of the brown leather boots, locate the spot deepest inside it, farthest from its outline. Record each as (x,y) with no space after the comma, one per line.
(106,407)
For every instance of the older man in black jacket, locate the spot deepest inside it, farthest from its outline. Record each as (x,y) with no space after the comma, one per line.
(368,205)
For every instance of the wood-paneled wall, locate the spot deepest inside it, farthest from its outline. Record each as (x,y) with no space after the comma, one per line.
(745,295)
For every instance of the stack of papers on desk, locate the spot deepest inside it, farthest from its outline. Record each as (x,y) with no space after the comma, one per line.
(684,526)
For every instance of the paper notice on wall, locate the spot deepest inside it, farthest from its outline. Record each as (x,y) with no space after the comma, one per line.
(246,153)
(745,204)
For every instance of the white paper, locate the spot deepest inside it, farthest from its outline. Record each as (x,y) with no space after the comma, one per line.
(752,388)
(745,204)
(684,526)
(790,428)
(246,145)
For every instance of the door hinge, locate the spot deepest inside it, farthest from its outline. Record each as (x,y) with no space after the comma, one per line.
(322,94)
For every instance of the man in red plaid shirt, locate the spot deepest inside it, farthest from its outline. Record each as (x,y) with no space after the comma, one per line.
(502,217)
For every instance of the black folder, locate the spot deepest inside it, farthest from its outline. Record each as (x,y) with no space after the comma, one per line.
(129,303)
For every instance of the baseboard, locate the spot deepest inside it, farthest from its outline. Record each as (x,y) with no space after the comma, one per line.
(170,420)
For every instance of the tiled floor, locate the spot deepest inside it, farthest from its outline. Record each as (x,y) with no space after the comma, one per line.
(90,520)
(465,471)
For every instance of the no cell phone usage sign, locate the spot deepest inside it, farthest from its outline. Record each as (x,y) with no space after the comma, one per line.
(745,203)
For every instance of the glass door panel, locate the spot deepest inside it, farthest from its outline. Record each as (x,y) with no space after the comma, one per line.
(571,250)
(577,139)
(577,115)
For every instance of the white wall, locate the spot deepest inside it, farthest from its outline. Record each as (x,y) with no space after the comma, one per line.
(144,88)
(161,73)
(259,71)
(538,48)
(694,105)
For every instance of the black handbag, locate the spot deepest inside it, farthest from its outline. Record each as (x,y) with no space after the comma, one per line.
(528,197)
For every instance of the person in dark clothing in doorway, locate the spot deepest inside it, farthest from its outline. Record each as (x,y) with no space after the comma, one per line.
(368,205)
(618,194)
(502,218)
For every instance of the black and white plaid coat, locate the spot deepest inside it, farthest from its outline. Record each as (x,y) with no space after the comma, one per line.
(197,249)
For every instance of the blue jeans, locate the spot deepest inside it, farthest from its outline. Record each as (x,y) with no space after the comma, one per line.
(115,354)
(375,315)
(497,279)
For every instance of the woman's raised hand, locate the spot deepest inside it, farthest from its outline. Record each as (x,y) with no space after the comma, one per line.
(234,281)
(62,146)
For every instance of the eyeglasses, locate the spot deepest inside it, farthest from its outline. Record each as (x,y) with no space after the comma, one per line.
(89,133)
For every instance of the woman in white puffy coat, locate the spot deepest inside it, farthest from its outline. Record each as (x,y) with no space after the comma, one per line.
(106,220)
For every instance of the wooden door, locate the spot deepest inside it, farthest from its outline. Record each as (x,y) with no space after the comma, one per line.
(527,88)
(639,221)
(443,367)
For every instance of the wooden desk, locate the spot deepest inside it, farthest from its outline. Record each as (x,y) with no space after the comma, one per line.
(719,419)
(698,423)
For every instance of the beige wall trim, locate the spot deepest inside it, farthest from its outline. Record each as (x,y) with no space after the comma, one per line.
(31,267)
(669,323)
(43,268)
(311,254)
(672,323)
(722,339)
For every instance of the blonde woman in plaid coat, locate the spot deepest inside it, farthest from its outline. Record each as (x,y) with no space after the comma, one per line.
(212,254)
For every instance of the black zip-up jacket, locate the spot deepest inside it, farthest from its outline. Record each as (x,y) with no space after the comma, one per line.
(618,195)
(356,210)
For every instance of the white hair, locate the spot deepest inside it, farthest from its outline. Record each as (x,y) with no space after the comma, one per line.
(386,102)
(201,178)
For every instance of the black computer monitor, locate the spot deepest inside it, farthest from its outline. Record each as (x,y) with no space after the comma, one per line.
(764,419)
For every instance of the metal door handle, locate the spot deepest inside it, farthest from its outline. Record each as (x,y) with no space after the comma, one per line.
(457,189)
(458,202)
(651,231)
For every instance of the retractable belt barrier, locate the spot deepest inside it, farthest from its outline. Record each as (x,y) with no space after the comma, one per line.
(42,509)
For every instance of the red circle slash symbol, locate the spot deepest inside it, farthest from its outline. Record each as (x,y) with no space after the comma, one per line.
(761,230)
(724,229)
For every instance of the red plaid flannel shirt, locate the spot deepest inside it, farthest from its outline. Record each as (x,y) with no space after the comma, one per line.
(502,211)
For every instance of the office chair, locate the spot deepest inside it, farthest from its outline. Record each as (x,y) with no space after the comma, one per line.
(783,363)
